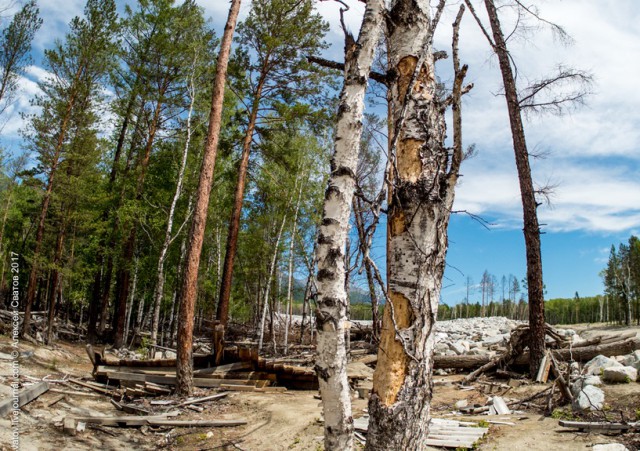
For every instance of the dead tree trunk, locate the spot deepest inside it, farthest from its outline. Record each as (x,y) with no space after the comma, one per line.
(529,205)
(423,177)
(188,292)
(331,363)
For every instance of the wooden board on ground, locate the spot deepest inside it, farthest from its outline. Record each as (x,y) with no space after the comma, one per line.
(27,395)
(442,433)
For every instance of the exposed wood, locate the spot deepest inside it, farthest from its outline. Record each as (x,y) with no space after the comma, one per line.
(221,369)
(69,426)
(543,371)
(27,395)
(600,426)
(196,423)
(92,386)
(201,400)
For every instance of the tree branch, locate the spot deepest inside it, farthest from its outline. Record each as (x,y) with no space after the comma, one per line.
(377,76)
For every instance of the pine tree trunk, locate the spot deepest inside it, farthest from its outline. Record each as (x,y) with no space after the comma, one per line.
(188,292)
(529,204)
(44,209)
(53,295)
(222,313)
(331,360)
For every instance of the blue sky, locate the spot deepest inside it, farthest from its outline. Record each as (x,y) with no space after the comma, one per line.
(593,154)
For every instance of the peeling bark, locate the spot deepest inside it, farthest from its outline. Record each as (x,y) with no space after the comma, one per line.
(423,180)
(331,362)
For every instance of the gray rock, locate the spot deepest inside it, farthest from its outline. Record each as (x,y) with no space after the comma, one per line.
(462,404)
(582,382)
(597,365)
(610,447)
(622,374)
(458,348)
(589,398)
(632,360)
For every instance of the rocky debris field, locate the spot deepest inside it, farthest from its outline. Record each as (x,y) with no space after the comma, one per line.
(480,336)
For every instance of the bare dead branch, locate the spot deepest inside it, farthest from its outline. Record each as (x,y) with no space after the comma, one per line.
(559,93)
(377,76)
(558,32)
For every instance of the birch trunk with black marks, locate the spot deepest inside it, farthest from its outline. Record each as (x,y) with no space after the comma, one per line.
(331,360)
(294,226)
(423,182)
(159,291)
(272,269)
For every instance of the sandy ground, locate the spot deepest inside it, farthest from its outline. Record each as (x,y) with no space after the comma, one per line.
(284,421)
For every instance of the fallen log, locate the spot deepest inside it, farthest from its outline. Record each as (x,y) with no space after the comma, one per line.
(578,354)
(600,426)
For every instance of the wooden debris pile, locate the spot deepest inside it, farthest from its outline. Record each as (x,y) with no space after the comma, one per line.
(442,433)
(38,324)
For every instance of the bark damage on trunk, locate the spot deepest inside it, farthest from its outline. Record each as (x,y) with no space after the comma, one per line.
(422,177)
(331,362)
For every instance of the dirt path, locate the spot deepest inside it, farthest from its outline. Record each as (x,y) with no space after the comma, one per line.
(287,421)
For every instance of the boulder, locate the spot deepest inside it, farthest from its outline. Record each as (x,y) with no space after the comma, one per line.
(610,447)
(632,360)
(597,365)
(583,381)
(458,348)
(589,398)
(621,374)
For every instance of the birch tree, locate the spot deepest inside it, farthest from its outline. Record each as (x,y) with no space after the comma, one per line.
(331,361)
(423,175)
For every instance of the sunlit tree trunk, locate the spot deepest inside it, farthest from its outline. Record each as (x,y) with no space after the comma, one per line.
(331,362)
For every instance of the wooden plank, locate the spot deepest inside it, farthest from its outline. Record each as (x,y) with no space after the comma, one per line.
(201,400)
(221,369)
(69,426)
(232,387)
(171,380)
(92,386)
(196,423)
(27,395)
(599,426)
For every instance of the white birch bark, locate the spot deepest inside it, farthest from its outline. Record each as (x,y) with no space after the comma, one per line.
(131,299)
(272,268)
(331,360)
(159,291)
(424,177)
(294,227)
